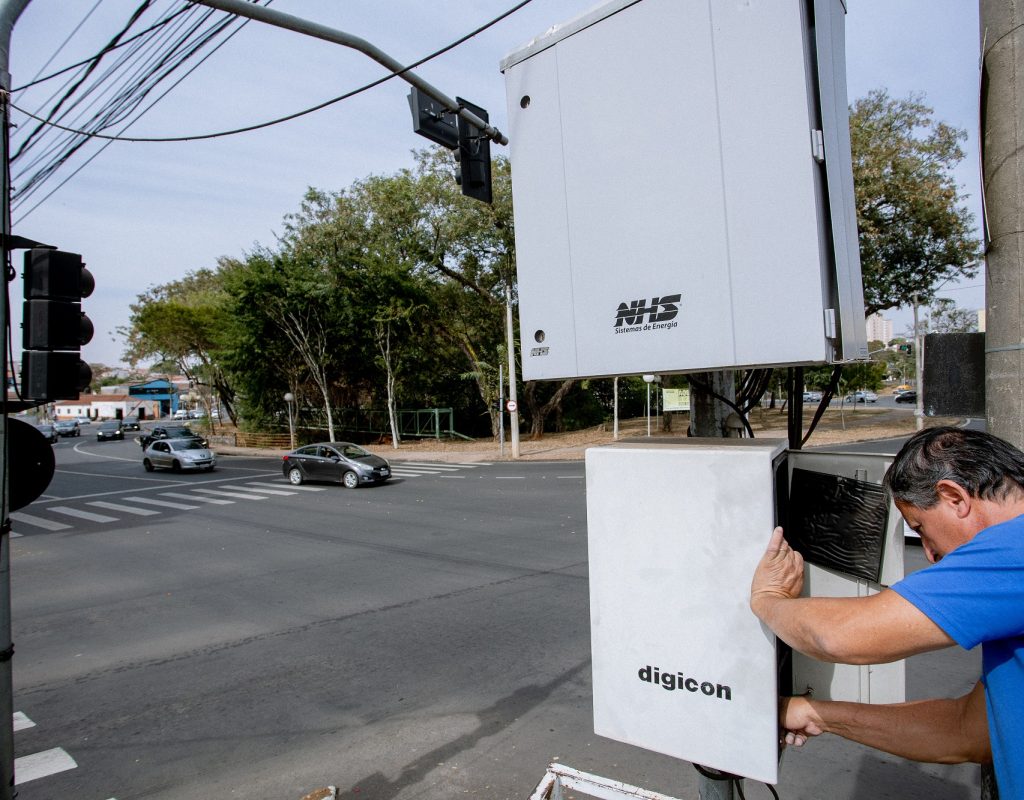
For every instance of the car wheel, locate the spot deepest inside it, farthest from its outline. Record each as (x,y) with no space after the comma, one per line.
(147,464)
(295,477)
(350,480)
(176,465)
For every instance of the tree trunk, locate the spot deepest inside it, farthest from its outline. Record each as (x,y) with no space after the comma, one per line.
(539,413)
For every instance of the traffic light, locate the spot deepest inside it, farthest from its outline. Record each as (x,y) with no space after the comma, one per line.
(473,156)
(54,327)
(905,348)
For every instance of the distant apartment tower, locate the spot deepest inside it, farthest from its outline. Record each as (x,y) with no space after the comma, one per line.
(879,329)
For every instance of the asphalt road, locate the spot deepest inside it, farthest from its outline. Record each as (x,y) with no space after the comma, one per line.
(428,638)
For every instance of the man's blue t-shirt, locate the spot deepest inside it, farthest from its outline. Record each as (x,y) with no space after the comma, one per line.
(976,595)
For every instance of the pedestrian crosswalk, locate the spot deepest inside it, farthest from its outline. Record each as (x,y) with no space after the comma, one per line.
(116,507)
(57,516)
(414,469)
(34,766)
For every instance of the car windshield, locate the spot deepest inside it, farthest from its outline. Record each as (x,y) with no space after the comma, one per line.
(110,426)
(189,444)
(179,433)
(353,451)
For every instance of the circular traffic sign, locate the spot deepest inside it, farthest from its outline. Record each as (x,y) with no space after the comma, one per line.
(511,406)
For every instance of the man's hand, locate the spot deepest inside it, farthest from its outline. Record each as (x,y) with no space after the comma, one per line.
(780,574)
(799,720)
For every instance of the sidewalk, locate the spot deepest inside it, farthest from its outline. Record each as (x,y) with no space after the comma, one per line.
(835,427)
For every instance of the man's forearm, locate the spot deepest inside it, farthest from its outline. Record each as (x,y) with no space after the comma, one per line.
(937,731)
(795,621)
(850,630)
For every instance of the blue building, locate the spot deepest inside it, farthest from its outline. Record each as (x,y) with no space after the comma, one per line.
(160,390)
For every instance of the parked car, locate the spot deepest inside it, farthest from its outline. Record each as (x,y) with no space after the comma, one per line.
(812,397)
(84,420)
(907,397)
(67,427)
(131,424)
(181,413)
(178,455)
(338,462)
(48,431)
(169,432)
(111,429)
(197,413)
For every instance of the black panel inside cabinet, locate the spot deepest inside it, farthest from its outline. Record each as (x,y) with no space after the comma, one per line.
(837,522)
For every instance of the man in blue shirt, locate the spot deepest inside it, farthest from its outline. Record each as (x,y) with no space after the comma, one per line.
(963,492)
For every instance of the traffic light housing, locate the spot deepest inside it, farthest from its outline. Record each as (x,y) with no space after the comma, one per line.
(473,156)
(53,325)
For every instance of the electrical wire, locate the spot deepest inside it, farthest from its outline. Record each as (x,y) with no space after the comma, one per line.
(735,781)
(37,80)
(708,390)
(139,115)
(69,37)
(124,100)
(826,398)
(138,12)
(295,115)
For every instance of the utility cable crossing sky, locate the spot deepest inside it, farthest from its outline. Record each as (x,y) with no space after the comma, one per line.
(158,52)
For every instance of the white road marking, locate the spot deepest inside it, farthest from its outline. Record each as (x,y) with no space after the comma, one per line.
(21,722)
(39,522)
(281,492)
(424,465)
(39,765)
(570,477)
(455,477)
(163,503)
(238,495)
(215,500)
(510,477)
(100,455)
(292,487)
(453,464)
(74,512)
(140,512)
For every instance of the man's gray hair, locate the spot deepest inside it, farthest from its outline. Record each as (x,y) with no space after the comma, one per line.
(983,464)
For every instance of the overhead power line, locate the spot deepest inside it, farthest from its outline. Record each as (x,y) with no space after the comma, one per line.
(287,117)
(149,57)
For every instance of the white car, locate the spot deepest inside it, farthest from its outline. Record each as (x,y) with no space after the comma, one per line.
(178,455)
(862,397)
(181,413)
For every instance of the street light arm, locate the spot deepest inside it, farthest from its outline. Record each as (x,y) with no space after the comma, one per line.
(280,20)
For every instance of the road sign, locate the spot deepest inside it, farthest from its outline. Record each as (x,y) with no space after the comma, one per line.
(511,405)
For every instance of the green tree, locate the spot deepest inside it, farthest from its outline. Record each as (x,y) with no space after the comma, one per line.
(184,322)
(944,316)
(915,232)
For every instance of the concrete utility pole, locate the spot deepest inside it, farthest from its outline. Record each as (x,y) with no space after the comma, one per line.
(10,10)
(1002,150)
(707,418)
(1002,174)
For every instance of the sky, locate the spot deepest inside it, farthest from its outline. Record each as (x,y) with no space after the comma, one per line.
(144,214)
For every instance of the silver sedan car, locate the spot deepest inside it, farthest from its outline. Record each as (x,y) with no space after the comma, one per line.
(177,455)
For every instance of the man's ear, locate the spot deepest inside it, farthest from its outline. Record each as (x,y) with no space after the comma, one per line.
(955,496)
